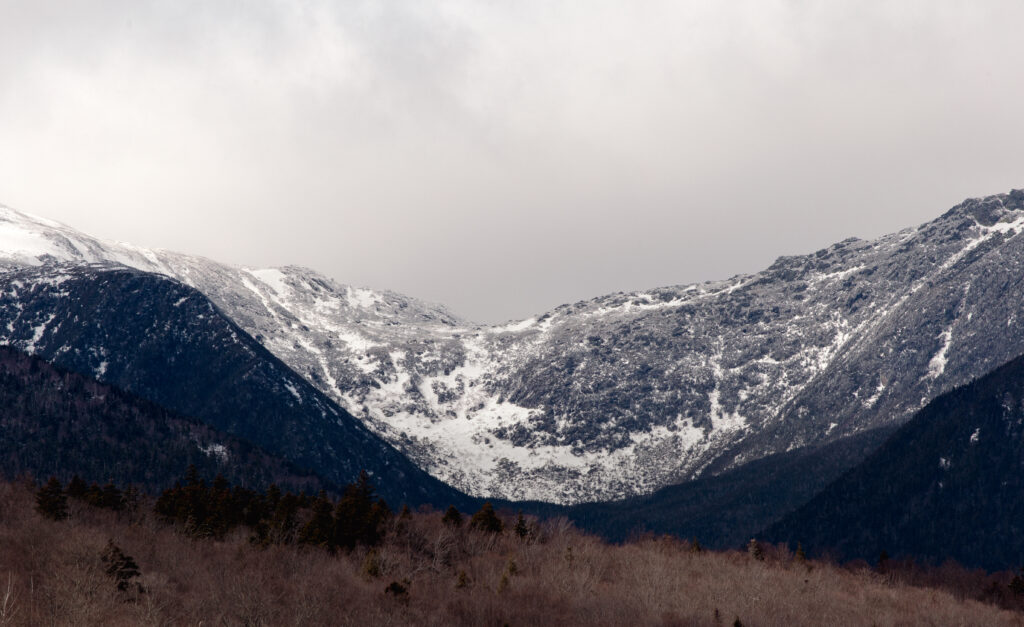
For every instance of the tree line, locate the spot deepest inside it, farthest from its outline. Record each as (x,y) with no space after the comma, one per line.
(201,509)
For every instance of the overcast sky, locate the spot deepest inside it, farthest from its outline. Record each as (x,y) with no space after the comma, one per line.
(506,157)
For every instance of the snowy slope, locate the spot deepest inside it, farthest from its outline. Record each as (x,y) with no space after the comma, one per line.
(629,392)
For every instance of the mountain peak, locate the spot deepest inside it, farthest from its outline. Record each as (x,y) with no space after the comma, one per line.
(989,210)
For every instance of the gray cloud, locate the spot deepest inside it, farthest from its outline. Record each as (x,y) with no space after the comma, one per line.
(504,158)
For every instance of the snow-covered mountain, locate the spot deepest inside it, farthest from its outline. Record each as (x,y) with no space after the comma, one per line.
(168,343)
(629,392)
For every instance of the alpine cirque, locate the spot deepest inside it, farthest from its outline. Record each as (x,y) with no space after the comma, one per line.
(629,392)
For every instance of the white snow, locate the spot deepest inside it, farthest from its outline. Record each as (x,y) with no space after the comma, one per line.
(870,402)
(215,450)
(293,390)
(842,274)
(513,327)
(37,334)
(937,365)
(274,279)
(984,233)
(20,244)
(361,298)
(721,420)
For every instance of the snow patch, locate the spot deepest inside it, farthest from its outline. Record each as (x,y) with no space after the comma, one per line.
(215,450)
(295,391)
(37,334)
(362,298)
(873,399)
(937,365)
(272,278)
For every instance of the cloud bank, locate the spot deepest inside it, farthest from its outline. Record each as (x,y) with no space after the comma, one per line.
(504,158)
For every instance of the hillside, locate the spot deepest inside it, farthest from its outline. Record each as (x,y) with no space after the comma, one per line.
(724,511)
(167,343)
(56,422)
(947,485)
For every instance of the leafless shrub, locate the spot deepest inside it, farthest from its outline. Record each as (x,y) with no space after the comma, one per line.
(8,602)
(455,577)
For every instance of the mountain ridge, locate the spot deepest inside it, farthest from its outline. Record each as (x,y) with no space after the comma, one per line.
(166,342)
(629,392)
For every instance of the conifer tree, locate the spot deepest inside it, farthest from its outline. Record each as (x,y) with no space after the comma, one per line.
(121,567)
(77,487)
(452,517)
(486,520)
(319,530)
(755,550)
(358,518)
(51,501)
(521,529)
(111,497)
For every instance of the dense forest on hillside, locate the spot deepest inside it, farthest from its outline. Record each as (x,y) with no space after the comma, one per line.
(54,420)
(946,485)
(70,558)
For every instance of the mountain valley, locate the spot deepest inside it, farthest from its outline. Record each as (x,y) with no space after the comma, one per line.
(627,393)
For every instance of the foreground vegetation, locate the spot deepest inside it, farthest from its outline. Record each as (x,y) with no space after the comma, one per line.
(84,561)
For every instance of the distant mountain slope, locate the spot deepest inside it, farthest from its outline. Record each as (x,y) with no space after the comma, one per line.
(56,422)
(168,343)
(948,484)
(724,511)
(627,393)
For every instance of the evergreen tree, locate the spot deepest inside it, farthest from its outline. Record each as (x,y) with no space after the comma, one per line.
(359,518)
(521,529)
(755,550)
(77,487)
(121,567)
(486,520)
(51,501)
(111,497)
(319,530)
(1016,584)
(452,517)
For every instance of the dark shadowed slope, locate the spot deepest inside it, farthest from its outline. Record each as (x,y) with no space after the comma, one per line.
(726,510)
(57,422)
(948,484)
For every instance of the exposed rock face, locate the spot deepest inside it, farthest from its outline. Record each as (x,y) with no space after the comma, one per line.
(626,393)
